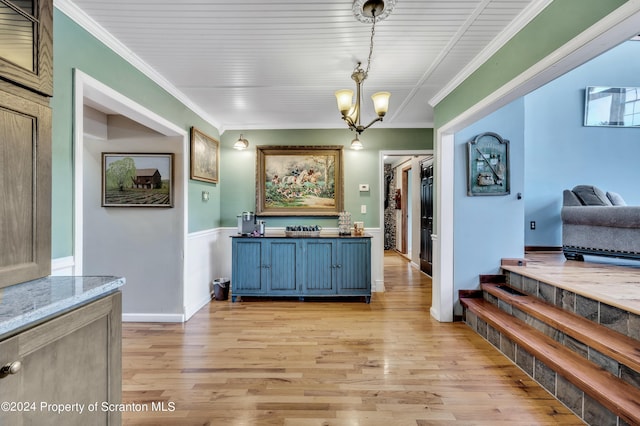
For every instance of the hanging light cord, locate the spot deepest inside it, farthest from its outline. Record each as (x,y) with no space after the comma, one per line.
(373,31)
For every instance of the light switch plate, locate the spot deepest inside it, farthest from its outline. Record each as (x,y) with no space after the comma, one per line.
(364,187)
(363,208)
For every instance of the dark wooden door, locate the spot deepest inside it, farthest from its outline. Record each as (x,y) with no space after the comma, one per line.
(426,216)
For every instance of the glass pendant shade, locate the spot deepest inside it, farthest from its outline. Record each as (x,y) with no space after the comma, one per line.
(241,144)
(345,100)
(381,102)
(356,144)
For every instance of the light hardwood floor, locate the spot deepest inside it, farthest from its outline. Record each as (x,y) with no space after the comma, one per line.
(275,362)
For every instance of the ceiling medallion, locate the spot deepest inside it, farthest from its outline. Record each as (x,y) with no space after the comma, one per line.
(363,10)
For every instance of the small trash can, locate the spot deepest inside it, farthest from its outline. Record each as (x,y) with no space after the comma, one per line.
(220,288)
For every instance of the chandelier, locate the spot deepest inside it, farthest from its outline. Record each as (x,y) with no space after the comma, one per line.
(367,11)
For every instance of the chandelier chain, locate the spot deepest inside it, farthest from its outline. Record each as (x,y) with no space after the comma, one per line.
(373,31)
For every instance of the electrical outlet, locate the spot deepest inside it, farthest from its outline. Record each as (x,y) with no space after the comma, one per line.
(532,224)
(363,208)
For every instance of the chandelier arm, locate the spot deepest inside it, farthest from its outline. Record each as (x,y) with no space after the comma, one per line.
(349,121)
(375,120)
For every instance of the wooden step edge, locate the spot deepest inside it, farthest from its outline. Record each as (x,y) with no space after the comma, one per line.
(493,278)
(611,343)
(619,397)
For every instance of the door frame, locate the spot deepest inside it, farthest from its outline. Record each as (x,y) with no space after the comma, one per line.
(89,91)
(381,154)
(404,211)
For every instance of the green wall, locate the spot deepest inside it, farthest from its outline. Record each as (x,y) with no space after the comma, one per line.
(73,47)
(238,168)
(558,23)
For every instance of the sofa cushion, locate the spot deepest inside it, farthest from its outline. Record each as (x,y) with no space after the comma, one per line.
(616,199)
(591,195)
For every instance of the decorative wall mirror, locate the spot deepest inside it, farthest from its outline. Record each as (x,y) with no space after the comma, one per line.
(612,106)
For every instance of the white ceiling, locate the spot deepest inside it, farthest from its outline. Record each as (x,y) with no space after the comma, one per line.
(275,64)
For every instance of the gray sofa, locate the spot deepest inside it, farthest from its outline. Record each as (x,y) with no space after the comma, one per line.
(599,223)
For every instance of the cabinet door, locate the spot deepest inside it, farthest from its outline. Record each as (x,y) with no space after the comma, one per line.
(26,44)
(320,267)
(25,190)
(246,275)
(280,266)
(354,266)
(75,358)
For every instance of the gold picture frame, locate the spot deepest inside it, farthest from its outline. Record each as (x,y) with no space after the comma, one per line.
(205,157)
(299,180)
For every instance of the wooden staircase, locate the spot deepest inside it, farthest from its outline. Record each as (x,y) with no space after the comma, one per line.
(592,369)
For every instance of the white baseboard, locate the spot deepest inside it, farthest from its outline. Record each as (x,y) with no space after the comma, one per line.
(379,286)
(152,318)
(190,310)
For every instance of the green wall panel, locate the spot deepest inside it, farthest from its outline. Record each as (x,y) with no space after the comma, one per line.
(238,169)
(558,23)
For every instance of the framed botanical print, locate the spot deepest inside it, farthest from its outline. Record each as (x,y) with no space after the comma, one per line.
(299,181)
(205,157)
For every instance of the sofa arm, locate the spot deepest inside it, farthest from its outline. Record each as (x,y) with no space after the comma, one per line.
(612,216)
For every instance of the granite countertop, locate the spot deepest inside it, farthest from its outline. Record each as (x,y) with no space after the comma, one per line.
(26,304)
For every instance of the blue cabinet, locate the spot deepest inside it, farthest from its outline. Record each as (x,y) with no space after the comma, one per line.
(284,266)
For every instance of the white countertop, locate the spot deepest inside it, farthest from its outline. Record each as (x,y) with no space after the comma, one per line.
(26,304)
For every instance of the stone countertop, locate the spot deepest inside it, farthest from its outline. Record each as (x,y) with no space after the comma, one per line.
(26,304)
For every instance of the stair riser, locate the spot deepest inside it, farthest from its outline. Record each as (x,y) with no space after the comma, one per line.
(582,405)
(614,367)
(624,322)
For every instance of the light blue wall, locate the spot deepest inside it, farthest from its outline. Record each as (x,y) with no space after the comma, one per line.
(488,228)
(561,152)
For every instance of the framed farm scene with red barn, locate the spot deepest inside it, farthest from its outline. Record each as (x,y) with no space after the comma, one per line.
(299,181)
(137,180)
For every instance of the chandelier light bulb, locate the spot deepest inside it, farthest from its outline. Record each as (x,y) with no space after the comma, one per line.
(381,102)
(241,143)
(356,144)
(345,100)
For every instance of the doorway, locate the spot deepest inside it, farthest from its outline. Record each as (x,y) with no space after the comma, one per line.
(401,195)
(118,241)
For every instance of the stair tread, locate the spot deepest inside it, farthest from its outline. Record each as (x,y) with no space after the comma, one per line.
(618,346)
(615,394)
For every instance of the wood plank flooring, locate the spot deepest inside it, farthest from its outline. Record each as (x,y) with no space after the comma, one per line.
(615,282)
(285,362)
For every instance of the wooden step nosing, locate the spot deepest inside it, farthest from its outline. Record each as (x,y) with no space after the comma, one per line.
(618,396)
(579,328)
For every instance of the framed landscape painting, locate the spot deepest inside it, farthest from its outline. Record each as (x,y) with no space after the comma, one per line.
(137,180)
(205,156)
(299,181)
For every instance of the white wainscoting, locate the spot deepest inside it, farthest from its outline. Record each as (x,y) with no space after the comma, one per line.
(63,266)
(206,261)
(209,257)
